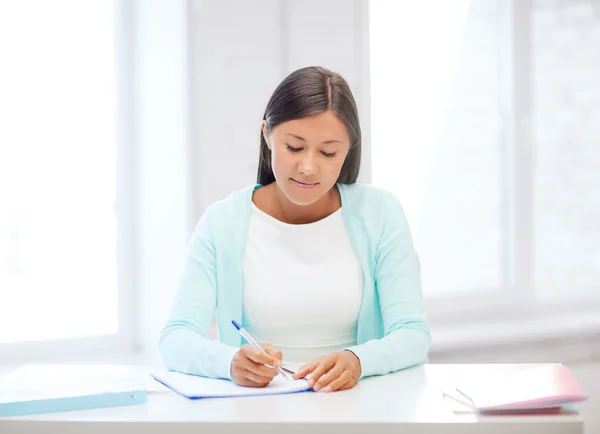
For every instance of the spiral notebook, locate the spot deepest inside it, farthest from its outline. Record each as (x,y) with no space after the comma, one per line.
(196,387)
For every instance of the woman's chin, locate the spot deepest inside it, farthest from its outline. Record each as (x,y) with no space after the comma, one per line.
(301,196)
(303,199)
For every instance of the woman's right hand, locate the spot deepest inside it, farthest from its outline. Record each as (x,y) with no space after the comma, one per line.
(248,366)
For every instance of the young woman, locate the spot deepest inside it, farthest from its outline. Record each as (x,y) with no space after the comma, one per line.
(308,260)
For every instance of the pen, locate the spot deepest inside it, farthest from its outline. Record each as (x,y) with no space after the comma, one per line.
(252,342)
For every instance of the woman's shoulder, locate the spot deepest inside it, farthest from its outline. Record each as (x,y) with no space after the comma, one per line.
(367,197)
(376,207)
(231,206)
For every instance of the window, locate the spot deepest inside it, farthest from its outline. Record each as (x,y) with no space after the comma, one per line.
(486,124)
(436,135)
(566,145)
(58,171)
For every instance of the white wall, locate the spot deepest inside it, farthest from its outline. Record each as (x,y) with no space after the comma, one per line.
(239,52)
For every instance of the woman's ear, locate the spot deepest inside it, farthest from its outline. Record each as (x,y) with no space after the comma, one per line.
(265,134)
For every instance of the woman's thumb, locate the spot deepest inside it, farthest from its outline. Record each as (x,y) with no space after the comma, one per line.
(273,352)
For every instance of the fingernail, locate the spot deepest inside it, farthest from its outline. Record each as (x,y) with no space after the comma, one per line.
(327,389)
(316,387)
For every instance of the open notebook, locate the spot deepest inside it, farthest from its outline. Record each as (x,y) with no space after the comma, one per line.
(540,387)
(195,387)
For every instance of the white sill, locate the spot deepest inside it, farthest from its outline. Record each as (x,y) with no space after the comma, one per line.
(109,358)
(566,338)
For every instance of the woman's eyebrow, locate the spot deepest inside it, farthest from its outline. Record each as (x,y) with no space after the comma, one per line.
(304,140)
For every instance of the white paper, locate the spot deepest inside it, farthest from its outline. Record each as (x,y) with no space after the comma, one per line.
(193,386)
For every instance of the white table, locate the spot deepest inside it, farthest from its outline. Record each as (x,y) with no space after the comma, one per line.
(405,402)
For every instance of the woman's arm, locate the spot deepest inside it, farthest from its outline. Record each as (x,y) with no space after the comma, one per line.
(397,281)
(183,343)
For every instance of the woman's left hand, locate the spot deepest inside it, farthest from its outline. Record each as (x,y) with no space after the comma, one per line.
(335,371)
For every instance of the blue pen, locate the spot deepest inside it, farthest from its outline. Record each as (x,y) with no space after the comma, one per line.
(255,344)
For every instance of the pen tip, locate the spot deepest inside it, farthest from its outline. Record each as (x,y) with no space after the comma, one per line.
(236,324)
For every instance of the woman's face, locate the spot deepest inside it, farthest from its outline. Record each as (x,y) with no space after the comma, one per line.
(307,155)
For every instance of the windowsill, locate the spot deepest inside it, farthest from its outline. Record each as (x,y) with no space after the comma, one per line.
(110,358)
(566,338)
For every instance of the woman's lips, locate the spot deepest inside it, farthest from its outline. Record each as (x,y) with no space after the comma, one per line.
(305,184)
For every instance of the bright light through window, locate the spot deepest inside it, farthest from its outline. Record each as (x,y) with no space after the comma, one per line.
(58,268)
(436,139)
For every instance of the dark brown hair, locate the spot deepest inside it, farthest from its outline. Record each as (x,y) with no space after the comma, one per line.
(306,92)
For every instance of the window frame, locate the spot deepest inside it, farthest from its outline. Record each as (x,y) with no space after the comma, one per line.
(123,340)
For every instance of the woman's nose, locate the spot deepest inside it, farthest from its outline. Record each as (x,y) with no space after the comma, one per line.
(308,165)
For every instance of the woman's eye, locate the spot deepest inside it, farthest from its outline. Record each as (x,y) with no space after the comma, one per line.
(326,154)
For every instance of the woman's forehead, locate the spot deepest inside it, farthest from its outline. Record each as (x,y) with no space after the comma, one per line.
(321,127)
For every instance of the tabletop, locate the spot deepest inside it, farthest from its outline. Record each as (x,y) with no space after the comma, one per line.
(407,401)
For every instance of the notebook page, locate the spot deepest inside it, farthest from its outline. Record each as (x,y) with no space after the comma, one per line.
(193,386)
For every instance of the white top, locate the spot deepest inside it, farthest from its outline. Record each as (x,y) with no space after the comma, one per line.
(303,286)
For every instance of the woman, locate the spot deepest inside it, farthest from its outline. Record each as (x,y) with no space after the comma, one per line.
(321,267)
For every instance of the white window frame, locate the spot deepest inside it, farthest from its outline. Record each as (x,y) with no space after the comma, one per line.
(124,339)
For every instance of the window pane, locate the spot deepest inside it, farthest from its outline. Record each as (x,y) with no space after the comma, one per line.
(57,170)
(566,144)
(436,134)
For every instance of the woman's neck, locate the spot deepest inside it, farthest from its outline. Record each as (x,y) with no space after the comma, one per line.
(274,202)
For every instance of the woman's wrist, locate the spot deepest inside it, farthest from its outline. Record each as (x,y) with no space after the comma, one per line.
(357,361)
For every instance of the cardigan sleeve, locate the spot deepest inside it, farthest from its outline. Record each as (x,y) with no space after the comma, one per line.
(407,337)
(183,344)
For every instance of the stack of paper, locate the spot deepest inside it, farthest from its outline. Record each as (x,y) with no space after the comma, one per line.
(195,387)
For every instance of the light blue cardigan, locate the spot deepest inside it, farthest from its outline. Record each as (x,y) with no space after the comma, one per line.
(392,331)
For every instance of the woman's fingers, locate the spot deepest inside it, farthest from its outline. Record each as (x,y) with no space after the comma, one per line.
(329,376)
(258,380)
(248,367)
(258,356)
(306,369)
(273,351)
(344,381)
(325,365)
(261,370)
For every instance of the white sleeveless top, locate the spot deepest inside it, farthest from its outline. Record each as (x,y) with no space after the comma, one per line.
(303,286)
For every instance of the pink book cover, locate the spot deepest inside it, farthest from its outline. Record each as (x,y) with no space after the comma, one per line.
(538,387)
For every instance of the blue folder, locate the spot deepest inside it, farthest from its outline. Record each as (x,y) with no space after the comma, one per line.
(70,403)
(34,389)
